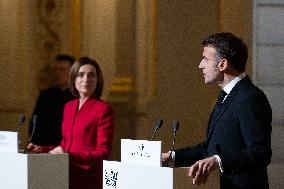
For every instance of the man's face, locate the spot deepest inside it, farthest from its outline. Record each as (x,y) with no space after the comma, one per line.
(210,67)
(61,72)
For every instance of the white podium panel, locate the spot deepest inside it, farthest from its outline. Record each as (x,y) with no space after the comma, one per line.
(13,172)
(33,171)
(119,175)
(140,169)
(146,177)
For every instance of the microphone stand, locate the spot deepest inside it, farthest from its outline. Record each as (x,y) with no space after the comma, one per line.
(21,122)
(35,119)
(153,134)
(175,128)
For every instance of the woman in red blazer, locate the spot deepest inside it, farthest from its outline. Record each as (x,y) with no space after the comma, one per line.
(87,126)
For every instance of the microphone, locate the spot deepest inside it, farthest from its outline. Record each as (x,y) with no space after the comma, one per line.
(175,128)
(158,125)
(35,120)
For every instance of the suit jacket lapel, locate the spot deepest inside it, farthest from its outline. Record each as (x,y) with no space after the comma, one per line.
(213,119)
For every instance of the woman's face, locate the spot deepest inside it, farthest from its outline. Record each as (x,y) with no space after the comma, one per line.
(86,80)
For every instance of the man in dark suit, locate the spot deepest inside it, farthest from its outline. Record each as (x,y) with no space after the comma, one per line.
(238,140)
(50,104)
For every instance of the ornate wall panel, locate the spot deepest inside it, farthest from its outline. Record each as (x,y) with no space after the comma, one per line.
(31,33)
(51,32)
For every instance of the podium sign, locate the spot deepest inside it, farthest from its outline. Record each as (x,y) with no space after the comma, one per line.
(141,152)
(8,141)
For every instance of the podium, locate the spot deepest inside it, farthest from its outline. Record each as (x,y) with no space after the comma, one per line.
(139,169)
(34,171)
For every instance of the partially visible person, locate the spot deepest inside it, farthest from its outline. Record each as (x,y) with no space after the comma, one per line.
(50,104)
(87,127)
(238,139)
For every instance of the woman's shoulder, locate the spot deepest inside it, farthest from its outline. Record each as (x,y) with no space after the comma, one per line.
(73,102)
(101,104)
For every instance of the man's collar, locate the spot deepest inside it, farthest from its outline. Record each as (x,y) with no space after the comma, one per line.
(232,83)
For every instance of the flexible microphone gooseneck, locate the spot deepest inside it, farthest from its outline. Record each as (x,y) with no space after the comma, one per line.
(158,125)
(175,128)
(22,119)
(35,120)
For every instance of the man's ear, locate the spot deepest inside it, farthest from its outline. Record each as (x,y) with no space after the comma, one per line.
(223,65)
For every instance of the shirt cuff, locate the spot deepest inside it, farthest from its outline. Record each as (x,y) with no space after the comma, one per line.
(172,158)
(219,162)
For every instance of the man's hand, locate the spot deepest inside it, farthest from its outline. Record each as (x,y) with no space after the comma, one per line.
(32,148)
(200,171)
(165,157)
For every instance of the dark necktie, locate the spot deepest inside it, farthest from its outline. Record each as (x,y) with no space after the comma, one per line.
(220,99)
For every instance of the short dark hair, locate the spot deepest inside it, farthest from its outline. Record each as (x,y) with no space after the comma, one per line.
(229,47)
(74,71)
(65,57)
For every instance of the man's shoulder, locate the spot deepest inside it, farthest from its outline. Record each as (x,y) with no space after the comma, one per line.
(252,89)
(49,91)
(72,102)
(247,87)
(249,94)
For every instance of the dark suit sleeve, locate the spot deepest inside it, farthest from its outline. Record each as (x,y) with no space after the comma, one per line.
(187,156)
(255,126)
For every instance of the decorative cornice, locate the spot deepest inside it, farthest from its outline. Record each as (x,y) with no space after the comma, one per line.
(122,85)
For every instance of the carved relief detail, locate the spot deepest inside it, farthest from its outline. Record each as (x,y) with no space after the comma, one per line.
(49,13)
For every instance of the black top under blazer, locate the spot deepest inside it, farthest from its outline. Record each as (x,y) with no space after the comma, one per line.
(240,133)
